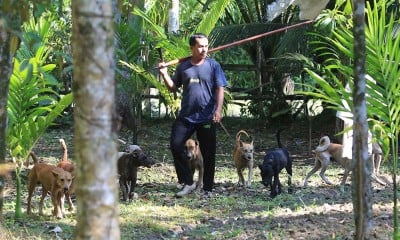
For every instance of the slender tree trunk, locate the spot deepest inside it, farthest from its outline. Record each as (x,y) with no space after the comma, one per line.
(6,68)
(94,94)
(362,197)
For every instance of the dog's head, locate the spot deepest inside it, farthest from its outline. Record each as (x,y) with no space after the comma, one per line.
(139,157)
(63,178)
(191,148)
(246,150)
(267,172)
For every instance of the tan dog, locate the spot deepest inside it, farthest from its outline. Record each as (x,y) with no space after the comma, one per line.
(54,180)
(195,160)
(68,166)
(243,157)
(323,153)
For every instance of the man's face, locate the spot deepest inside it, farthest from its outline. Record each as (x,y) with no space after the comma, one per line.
(200,49)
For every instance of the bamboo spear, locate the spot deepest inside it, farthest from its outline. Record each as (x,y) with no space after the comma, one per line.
(176,61)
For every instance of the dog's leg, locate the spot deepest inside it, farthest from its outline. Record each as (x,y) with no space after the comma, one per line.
(325,163)
(56,199)
(275,188)
(241,178)
(345,175)
(290,174)
(124,188)
(62,201)
(200,179)
(133,184)
(250,174)
(377,164)
(69,200)
(316,167)
(31,188)
(44,193)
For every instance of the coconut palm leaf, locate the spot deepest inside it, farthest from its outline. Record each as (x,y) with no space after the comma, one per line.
(209,21)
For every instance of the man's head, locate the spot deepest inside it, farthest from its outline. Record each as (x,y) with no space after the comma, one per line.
(199,46)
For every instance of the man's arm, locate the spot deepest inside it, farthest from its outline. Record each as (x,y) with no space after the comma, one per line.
(167,79)
(220,101)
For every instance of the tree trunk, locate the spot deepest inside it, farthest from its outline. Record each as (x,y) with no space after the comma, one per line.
(362,197)
(5,73)
(94,94)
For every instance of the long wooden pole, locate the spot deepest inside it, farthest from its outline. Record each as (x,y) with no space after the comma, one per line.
(249,39)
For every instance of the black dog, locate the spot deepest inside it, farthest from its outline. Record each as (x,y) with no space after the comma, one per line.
(128,163)
(274,161)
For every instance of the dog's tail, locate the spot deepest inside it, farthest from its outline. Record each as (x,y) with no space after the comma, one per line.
(324,143)
(240,133)
(34,157)
(65,150)
(278,137)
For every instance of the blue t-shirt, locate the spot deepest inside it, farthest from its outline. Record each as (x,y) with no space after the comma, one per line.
(199,89)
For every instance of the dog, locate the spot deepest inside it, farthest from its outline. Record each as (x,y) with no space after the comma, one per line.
(274,161)
(323,154)
(243,158)
(195,160)
(54,180)
(68,166)
(127,164)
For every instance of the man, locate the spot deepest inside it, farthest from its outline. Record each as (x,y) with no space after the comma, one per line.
(203,82)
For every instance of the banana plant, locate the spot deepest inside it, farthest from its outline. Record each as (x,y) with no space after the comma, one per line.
(382,79)
(33,105)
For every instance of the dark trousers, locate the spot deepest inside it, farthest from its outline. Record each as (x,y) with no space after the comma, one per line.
(206,135)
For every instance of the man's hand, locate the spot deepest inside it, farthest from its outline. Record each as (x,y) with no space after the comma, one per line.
(162,69)
(217,117)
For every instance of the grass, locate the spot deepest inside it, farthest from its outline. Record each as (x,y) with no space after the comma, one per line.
(316,212)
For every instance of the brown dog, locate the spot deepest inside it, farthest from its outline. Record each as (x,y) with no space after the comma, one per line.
(68,166)
(54,180)
(195,160)
(323,153)
(243,157)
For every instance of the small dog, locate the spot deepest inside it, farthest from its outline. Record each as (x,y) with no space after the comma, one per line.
(128,163)
(323,153)
(195,160)
(243,157)
(274,162)
(54,180)
(68,166)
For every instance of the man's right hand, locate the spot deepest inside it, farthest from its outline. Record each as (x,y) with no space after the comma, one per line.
(162,69)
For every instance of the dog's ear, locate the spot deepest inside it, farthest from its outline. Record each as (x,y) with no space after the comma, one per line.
(55,173)
(197,142)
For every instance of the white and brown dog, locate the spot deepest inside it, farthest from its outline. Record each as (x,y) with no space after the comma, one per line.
(243,157)
(195,160)
(323,154)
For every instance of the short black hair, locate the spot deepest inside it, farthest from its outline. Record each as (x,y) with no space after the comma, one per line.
(192,39)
